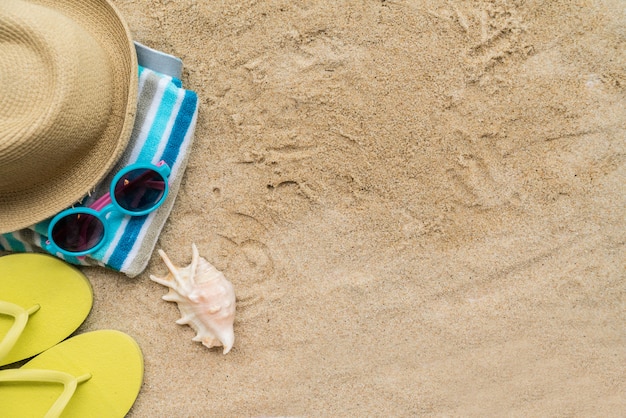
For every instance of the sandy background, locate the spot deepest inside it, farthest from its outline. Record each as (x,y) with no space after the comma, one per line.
(421,205)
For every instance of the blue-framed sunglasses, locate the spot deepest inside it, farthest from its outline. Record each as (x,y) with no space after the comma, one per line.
(136,190)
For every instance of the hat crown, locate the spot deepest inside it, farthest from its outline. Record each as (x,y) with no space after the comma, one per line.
(56,94)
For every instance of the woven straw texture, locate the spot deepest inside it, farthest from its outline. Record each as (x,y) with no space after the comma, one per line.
(67,103)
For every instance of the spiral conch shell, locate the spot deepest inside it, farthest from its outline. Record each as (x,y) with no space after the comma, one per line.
(205,298)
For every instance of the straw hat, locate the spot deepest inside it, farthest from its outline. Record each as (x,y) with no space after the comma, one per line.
(68,93)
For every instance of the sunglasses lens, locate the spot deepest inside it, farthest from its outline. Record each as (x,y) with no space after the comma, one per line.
(139,190)
(78,232)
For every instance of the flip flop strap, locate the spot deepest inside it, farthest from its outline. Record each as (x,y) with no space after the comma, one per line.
(47,376)
(21,318)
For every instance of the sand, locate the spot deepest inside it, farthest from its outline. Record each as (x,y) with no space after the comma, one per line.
(421,205)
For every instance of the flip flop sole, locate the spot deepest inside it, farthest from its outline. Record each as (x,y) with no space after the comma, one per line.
(63,293)
(112,358)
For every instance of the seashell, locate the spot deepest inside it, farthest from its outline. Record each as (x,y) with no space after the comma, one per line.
(205,298)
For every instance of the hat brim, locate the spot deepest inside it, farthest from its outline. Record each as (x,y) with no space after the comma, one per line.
(77,178)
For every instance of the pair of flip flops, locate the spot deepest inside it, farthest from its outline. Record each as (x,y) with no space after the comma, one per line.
(42,301)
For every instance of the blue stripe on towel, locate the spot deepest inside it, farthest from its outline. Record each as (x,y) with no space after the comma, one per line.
(160,124)
(181,126)
(14,243)
(4,245)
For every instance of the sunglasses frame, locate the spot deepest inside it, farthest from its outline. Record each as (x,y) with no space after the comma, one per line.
(105,205)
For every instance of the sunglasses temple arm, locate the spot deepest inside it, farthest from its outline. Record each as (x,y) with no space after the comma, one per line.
(102,202)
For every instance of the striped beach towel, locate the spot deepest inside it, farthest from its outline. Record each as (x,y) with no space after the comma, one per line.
(164,128)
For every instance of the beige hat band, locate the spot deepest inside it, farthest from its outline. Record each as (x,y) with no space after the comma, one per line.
(55,70)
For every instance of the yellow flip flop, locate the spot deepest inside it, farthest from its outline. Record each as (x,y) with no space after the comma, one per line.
(96,374)
(42,301)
